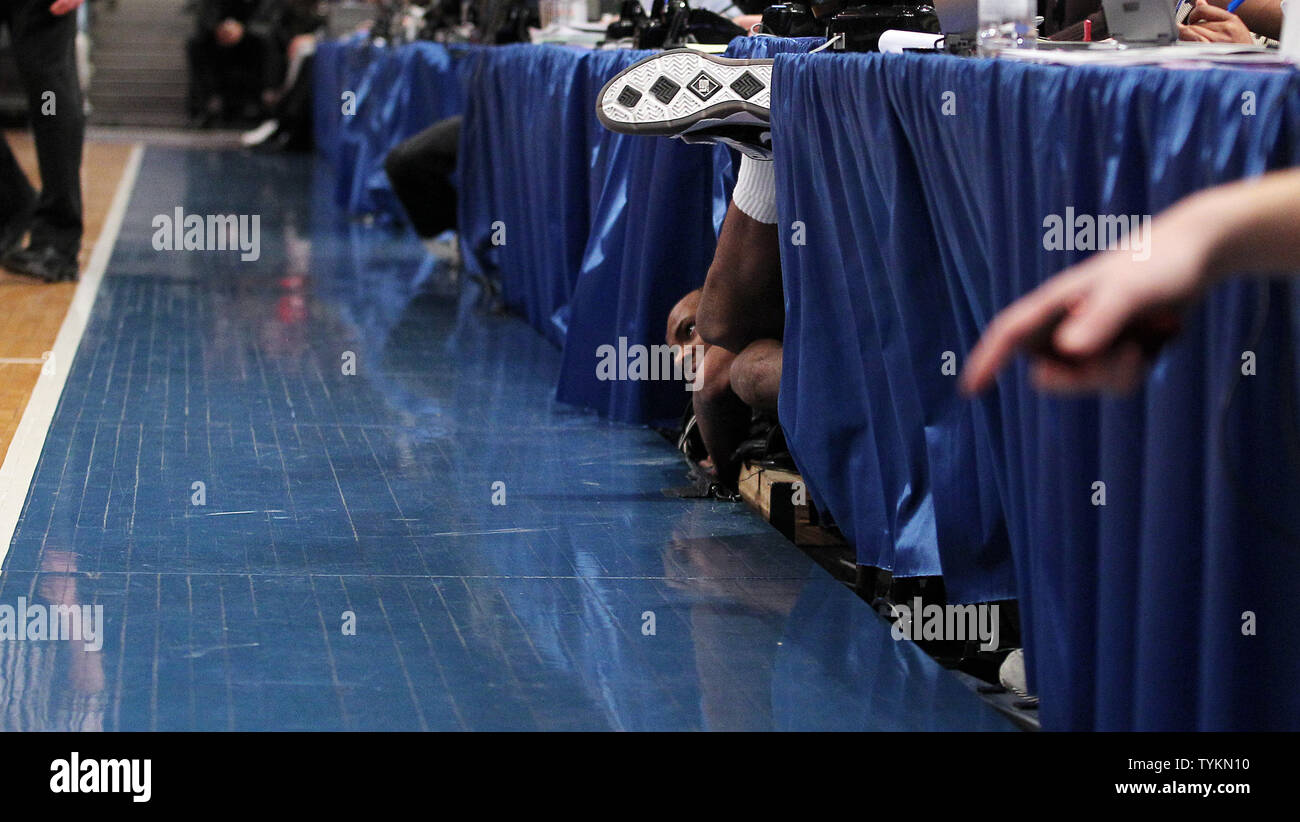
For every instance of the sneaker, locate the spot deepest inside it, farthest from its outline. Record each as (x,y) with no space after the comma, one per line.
(260,134)
(1012,676)
(696,97)
(445,248)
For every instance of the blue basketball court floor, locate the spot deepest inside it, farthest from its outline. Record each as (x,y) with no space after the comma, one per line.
(278,544)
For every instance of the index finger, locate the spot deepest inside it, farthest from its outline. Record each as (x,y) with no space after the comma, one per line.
(1208,13)
(1015,324)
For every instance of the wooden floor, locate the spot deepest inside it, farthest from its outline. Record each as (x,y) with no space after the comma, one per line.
(31,312)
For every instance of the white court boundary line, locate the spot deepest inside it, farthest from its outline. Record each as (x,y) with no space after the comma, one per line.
(29,438)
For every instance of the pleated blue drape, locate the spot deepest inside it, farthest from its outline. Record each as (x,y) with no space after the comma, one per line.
(397,92)
(920,225)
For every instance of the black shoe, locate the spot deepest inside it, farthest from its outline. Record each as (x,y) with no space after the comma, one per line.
(275,144)
(42,263)
(11,233)
(666,18)
(207,114)
(631,19)
(792,20)
(709,28)
(519,18)
(11,236)
(695,96)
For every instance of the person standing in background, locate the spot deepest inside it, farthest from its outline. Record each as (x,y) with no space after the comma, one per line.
(235,56)
(43,36)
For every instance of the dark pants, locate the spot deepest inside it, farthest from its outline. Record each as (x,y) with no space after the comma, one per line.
(43,51)
(236,75)
(294,111)
(420,170)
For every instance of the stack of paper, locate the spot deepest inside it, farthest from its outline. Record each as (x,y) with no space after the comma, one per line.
(1182,54)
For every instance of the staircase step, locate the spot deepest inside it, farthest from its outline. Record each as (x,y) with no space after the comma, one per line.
(130,39)
(114,97)
(137,81)
(141,70)
(150,119)
(160,61)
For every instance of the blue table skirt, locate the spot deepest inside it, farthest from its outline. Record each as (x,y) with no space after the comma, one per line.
(920,225)
(368,98)
(328,70)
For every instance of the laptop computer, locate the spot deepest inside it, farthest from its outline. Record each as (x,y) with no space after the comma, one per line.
(1290,45)
(958,17)
(1141,22)
(1151,23)
(959,21)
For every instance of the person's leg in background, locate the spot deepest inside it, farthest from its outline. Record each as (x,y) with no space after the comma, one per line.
(296,107)
(205,99)
(242,77)
(290,105)
(273,62)
(17,200)
(294,110)
(44,51)
(420,170)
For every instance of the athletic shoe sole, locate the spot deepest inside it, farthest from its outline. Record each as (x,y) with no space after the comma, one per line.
(666,94)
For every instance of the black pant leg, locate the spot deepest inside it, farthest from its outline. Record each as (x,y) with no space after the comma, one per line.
(43,47)
(273,56)
(420,170)
(295,111)
(240,72)
(204,84)
(17,197)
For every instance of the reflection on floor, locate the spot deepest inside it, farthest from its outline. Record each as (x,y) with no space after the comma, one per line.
(330,502)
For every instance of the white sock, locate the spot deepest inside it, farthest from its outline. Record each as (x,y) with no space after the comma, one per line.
(755,192)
